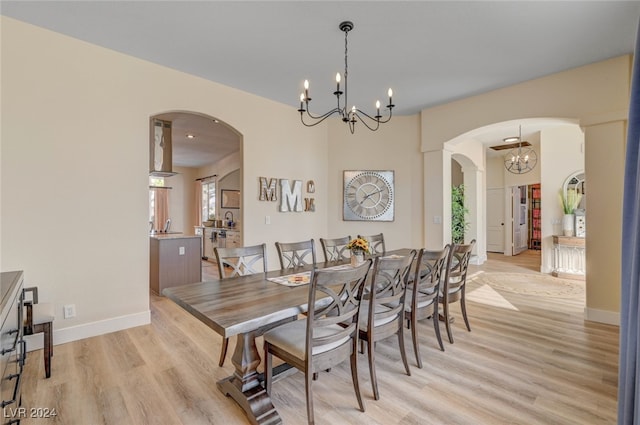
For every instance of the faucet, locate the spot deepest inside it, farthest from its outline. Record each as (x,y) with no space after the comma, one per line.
(229,220)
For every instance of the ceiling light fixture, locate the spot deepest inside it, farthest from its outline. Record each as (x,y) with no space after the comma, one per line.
(349,116)
(522,159)
(190,136)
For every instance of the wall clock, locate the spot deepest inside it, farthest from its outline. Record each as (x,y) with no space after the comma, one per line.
(368,196)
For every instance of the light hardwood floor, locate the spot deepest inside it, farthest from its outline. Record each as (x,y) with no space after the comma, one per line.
(531,361)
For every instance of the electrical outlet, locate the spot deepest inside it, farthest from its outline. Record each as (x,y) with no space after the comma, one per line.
(267,219)
(181,250)
(69,311)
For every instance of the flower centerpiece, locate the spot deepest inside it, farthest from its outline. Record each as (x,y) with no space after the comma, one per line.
(358,247)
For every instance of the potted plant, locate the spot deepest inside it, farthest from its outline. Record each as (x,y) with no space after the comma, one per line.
(569,199)
(458,212)
(358,248)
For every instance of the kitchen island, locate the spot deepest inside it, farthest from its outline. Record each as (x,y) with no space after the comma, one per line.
(174,260)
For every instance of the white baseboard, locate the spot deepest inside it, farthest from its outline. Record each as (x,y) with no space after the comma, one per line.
(602,316)
(87,330)
(478,260)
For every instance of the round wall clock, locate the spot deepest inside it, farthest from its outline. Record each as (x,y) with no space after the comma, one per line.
(368,196)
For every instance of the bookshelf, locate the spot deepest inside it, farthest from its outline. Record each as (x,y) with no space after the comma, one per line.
(535,217)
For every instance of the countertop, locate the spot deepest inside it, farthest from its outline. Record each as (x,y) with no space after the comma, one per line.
(217,229)
(171,235)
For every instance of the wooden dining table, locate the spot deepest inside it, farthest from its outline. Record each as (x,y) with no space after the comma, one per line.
(245,307)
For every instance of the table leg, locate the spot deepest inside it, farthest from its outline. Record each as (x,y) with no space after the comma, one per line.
(244,385)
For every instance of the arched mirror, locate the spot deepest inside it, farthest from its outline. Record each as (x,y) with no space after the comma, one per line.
(576,182)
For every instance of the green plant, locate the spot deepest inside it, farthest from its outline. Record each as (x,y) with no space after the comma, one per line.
(569,200)
(458,213)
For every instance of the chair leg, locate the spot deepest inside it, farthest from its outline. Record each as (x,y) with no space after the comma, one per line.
(372,368)
(268,371)
(354,375)
(223,351)
(447,322)
(403,351)
(308,380)
(463,307)
(414,338)
(436,328)
(48,348)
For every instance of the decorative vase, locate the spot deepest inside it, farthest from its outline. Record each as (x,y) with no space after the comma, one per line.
(568,225)
(357,259)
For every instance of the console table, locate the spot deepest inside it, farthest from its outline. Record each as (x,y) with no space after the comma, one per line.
(569,257)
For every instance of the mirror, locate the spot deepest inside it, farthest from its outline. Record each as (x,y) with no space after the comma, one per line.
(576,181)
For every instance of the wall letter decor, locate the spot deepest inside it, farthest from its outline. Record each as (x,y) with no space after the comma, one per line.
(268,191)
(290,199)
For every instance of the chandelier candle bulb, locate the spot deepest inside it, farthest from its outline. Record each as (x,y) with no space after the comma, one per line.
(306,90)
(390,93)
(338,83)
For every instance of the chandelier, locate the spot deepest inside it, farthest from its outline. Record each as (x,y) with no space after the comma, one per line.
(349,116)
(520,159)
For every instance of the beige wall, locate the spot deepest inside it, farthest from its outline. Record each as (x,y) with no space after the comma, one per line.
(395,146)
(597,96)
(74,169)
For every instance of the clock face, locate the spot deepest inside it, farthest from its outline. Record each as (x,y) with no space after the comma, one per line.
(368,195)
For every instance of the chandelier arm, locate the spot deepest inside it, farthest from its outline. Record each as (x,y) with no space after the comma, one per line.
(323,116)
(365,122)
(319,118)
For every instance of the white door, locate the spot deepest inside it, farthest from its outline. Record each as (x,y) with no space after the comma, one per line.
(520,219)
(495,220)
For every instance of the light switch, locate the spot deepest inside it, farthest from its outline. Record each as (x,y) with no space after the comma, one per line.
(181,250)
(267,219)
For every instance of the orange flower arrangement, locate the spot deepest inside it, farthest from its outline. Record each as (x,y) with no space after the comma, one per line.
(359,246)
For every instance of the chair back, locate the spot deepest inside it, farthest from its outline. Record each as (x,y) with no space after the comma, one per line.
(376,243)
(241,261)
(334,322)
(335,249)
(296,254)
(429,271)
(456,270)
(387,292)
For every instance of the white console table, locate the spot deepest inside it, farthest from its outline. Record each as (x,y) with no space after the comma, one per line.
(569,257)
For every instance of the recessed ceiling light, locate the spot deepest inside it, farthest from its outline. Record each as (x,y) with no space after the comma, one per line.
(511,139)
(190,136)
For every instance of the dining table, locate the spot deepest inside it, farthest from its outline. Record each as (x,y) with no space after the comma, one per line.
(246,307)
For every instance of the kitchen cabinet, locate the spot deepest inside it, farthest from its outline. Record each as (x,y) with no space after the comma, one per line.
(175,260)
(233,239)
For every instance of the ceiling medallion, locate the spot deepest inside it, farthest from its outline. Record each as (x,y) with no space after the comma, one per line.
(349,116)
(521,159)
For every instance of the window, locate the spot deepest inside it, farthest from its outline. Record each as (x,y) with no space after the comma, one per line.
(208,200)
(153,183)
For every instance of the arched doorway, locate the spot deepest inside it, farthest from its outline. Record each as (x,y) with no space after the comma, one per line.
(204,151)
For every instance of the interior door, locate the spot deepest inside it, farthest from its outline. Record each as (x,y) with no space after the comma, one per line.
(520,219)
(495,220)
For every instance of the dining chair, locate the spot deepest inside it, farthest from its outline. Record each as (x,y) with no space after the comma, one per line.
(296,254)
(327,336)
(376,243)
(39,318)
(239,262)
(453,286)
(335,249)
(422,294)
(383,308)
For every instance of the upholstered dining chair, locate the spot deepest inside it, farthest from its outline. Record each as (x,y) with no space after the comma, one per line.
(39,318)
(383,308)
(422,294)
(376,243)
(335,249)
(239,262)
(453,287)
(296,254)
(327,336)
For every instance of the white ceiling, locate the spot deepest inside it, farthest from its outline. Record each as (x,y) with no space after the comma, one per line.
(429,52)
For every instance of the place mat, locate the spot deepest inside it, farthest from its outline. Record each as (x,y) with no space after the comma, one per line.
(292,279)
